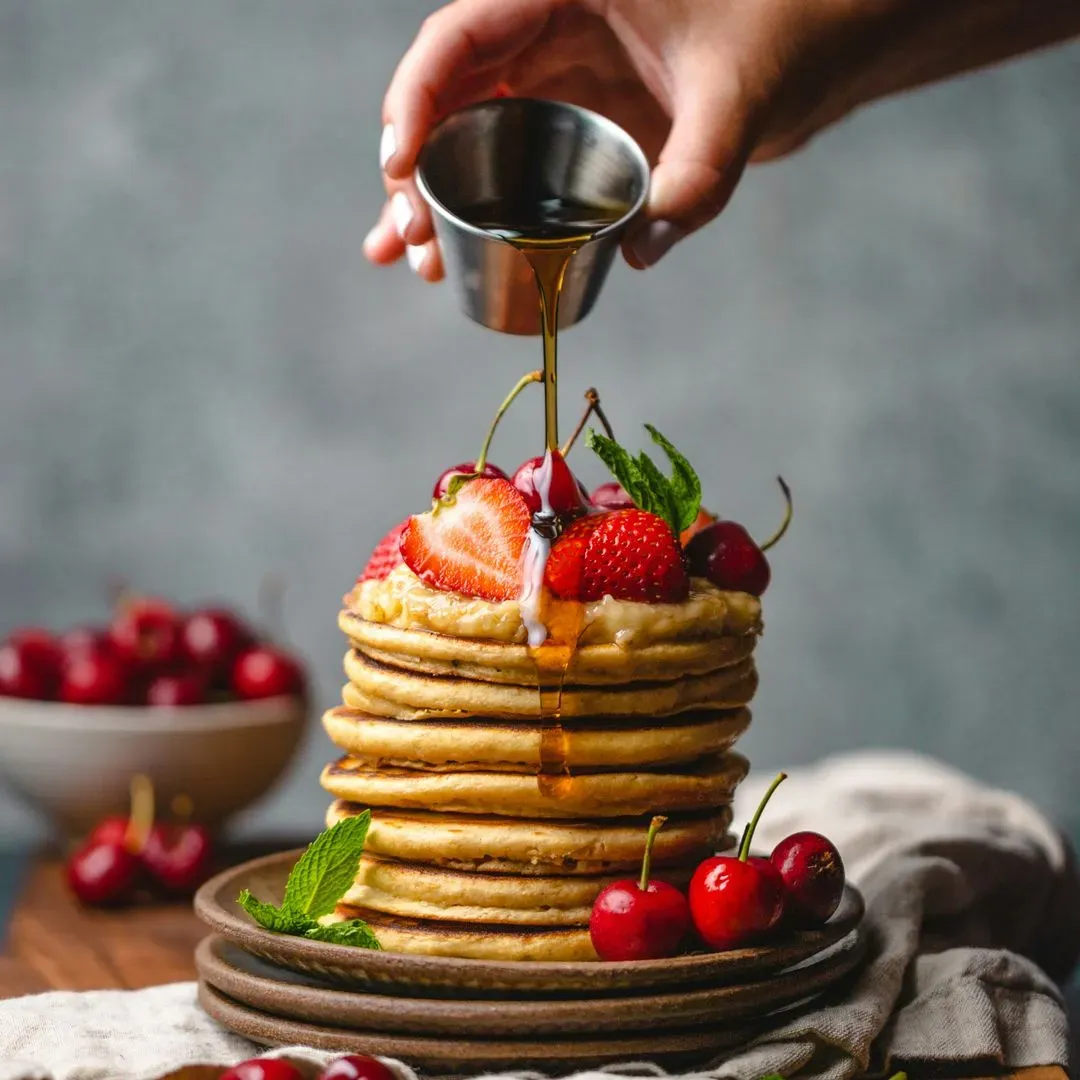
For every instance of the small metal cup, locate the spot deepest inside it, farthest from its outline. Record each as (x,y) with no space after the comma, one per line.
(481,153)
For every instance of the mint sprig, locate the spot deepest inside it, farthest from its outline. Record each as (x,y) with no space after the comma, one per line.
(317,882)
(675,498)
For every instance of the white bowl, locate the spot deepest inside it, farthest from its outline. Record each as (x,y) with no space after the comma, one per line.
(74,763)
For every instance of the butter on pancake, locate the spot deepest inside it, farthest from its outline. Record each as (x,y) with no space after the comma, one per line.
(517,746)
(706,784)
(403,600)
(526,846)
(504,662)
(407,695)
(472,941)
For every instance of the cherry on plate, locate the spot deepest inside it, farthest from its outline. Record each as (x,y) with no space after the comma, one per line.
(263,1069)
(95,679)
(265,672)
(100,874)
(725,553)
(212,640)
(357,1067)
(180,857)
(547,483)
(466,468)
(813,876)
(611,496)
(639,920)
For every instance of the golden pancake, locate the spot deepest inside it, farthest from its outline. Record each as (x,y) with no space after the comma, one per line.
(517,746)
(376,688)
(500,845)
(428,892)
(472,941)
(403,600)
(704,785)
(501,662)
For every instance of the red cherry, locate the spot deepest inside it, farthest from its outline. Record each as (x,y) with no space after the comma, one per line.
(466,468)
(356,1067)
(611,496)
(213,639)
(546,483)
(639,920)
(725,554)
(736,900)
(180,857)
(265,672)
(95,679)
(102,873)
(172,691)
(263,1069)
(111,830)
(146,635)
(82,642)
(813,875)
(30,662)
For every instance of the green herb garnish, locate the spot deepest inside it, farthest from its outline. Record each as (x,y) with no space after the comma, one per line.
(675,498)
(318,881)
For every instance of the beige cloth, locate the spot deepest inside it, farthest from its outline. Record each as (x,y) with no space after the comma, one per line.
(968,890)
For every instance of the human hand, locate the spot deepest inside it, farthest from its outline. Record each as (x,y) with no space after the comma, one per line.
(704,86)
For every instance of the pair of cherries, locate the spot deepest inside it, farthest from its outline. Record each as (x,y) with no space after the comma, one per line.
(734,900)
(123,853)
(349,1067)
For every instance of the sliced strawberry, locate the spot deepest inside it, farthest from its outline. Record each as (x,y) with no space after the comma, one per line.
(474,545)
(385,557)
(626,554)
(703,519)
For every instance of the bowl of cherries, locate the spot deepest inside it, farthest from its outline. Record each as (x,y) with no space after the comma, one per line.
(193,701)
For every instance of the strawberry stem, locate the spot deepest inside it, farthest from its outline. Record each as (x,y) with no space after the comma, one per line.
(532,377)
(655,826)
(776,536)
(748,834)
(593,399)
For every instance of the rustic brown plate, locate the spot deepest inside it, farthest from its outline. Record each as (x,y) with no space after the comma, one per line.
(456,1055)
(251,981)
(215,904)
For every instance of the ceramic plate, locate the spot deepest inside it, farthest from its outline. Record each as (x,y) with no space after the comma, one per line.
(216,905)
(252,982)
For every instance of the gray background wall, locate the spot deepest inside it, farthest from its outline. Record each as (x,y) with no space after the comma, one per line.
(201,380)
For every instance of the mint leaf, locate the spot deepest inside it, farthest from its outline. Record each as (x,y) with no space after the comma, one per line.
(326,870)
(684,481)
(273,918)
(354,932)
(676,499)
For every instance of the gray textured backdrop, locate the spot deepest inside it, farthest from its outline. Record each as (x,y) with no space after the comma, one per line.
(201,381)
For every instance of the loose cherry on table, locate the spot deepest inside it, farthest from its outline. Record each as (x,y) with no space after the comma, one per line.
(103,873)
(813,876)
(737,900)
(726,554)
(179,857)
(639,920)
(264,672)
(356,1067)
(263,1069)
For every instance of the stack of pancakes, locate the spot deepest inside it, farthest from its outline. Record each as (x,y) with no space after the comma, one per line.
(483,843)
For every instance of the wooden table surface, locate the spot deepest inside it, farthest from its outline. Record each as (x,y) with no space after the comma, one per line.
(53,944)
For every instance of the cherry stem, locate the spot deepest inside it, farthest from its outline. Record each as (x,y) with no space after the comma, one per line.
(141,818)
(655,826)
(776,536)
(748,835)
(532,377)
(593,399)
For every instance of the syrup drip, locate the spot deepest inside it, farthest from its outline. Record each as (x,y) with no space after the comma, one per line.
(548,231)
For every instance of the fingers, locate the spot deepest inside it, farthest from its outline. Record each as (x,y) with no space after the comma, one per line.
(457,42)
(699,166)
(384,245)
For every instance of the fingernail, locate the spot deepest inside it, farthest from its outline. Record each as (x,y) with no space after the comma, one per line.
(654,241)
(373,236)
(401,211)
(415,254)
(387,145)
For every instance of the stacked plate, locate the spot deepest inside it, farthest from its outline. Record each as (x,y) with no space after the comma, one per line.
(447,1014)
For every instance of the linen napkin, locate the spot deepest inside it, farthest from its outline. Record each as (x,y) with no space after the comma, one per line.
(973,903)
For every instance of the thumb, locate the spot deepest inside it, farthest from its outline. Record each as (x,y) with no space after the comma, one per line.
(698,168)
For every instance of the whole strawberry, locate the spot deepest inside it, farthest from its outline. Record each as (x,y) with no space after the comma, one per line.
(385,557)
(625,554)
